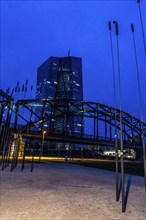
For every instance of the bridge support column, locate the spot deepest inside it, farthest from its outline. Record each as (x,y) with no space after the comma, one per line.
(132,136)
(105,128)
(124,132)
(82,121)
(43,114)
(96,125)
(110,126)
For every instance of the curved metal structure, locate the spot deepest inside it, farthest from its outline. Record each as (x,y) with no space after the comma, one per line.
(46,113)
(89,122)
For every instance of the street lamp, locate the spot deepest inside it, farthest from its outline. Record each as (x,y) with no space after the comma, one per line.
(82,152)
(41,152)
(58,148)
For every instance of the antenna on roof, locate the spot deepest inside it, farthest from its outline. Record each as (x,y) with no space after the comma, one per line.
(69,52)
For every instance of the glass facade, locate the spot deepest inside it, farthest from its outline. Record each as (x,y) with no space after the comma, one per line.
(47,78)
(61,78)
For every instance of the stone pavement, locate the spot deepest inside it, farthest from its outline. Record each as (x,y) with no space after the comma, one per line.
(63,191)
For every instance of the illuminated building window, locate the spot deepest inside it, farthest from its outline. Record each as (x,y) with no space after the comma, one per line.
(61,78)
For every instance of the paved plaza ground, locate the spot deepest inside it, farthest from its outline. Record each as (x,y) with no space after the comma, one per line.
(64,191)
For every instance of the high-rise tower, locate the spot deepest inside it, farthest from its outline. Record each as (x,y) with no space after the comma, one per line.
(61,78)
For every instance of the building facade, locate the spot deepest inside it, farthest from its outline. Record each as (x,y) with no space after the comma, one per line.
(61,78)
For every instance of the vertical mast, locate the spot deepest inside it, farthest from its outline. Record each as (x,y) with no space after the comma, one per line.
(140,102)
(115,104)
(121,123)
(142,26)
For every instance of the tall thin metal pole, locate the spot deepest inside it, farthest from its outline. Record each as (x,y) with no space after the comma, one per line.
(24,154)
(42,146)
(121,123)
(140,102)
(144,42)
(115,104)
(6,135)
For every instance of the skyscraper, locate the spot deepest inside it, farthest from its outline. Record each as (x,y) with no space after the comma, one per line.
(61,78)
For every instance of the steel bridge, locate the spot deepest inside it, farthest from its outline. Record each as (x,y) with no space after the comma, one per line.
(30,118)
(51,119)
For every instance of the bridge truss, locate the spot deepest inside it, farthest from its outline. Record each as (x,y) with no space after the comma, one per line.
(74,121)
(65,121)
(49,112)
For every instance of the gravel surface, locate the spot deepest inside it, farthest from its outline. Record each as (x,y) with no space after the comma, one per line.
(63,191)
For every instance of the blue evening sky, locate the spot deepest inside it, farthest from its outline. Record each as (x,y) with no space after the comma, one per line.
(32,31)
